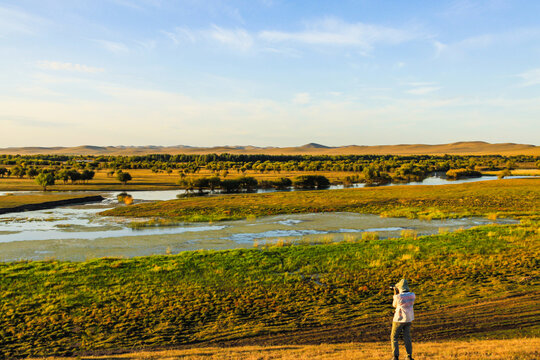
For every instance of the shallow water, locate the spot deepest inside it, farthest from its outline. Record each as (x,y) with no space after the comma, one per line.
(78,233)
(95,236)
(155,195)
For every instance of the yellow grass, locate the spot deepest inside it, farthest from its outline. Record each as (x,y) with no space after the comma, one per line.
(517,172)
(145,179)
(516,349)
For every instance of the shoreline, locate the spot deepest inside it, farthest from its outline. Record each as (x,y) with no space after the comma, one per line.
(52,204)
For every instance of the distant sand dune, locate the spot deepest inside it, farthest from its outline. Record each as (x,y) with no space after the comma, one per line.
(457,148)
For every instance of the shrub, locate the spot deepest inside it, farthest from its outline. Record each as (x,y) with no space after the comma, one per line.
(311,182)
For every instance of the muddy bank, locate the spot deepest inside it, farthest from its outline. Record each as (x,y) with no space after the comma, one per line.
(52,204)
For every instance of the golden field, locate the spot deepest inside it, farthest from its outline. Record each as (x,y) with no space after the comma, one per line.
(516,349)
(145,179)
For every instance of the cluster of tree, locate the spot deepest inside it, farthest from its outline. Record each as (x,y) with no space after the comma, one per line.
(271,163)
(248,183)
(74,176)
(45,179)
(311,182)
(245,183)
(462,173)
(48,176)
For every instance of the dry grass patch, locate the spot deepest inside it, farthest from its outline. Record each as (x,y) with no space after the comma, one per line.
(516,349)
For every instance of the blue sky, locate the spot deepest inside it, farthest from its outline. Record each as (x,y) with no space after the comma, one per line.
(268,72)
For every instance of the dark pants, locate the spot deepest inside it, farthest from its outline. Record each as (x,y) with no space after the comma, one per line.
(397,329)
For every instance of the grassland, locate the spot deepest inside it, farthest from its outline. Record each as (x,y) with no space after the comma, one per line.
(506,198)
(517,172)
(15,201)
(478,283)
(516,349)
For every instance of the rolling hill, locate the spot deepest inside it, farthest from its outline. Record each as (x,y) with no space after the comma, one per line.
(457,148)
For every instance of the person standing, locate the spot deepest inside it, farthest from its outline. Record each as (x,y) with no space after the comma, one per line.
(403,317)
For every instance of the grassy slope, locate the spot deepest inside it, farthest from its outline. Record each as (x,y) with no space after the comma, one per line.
(516,349)
(514,197)
(482,282)
(10,201)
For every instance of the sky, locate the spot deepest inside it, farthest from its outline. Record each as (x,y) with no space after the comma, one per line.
(268,72)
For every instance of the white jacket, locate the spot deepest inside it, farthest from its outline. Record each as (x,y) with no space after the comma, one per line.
(404,307)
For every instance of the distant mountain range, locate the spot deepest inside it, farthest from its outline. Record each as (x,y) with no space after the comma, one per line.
(458,148)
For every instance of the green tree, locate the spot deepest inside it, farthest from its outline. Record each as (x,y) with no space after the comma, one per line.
(123,177)
(45,179)
(63,175)
(18,171)
(32,172)
(214,182)
(87,175)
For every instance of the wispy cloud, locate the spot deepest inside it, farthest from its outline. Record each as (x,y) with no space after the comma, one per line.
(16,21)
(531,77)
(180,34)
(112,46)
(326,32)
(238,38)
(483,41)
(67,66)
(335,32)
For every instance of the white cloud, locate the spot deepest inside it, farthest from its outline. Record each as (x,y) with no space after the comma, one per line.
(531,77)
(335,32)
(237,38)
(326,32)
(439,48)
(67,66)
(422,90)
(483,41)
(180,34)
(301,98)
(147,44)
(144,116)
(113,46)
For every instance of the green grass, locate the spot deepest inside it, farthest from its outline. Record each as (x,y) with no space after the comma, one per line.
(505,198)
(55,308)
